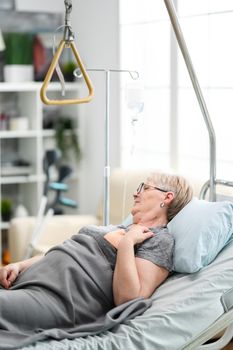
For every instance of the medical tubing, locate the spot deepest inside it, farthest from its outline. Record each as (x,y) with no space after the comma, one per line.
(57,68)
(183,47)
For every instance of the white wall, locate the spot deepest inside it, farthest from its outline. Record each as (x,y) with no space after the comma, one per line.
(95,23)
(42,5)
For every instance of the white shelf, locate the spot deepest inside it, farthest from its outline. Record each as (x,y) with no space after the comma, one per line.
(39,6)
(48,133)
(4,225)
(4,180)
(8,134)
(36,86)
(51,132)
(30,145)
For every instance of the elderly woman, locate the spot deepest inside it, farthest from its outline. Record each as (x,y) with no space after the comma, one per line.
(99,267)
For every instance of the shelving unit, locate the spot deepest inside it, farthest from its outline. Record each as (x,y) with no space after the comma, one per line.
(31,144)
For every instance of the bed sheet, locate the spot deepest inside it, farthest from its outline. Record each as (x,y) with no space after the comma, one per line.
(182,307)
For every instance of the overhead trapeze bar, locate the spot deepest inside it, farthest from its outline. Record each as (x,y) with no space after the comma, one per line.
(67,42)
(212,139)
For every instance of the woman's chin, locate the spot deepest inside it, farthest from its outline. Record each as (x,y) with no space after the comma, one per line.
(133,211)
(136,217)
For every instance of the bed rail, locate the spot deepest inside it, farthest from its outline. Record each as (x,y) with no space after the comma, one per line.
(206,187)
(223,322)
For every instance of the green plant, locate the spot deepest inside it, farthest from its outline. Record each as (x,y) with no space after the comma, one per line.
(67,138)
(19,48)
(68,70)
(6,209)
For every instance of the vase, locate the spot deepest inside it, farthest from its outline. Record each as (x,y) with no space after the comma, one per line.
(18,73)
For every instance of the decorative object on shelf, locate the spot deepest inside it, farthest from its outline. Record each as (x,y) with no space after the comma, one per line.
(2,43)
(52,159)
(16,168)
(68,70)
(21,211)
(42,55)
(6,209)
(2,48)
(18,123)
(18,57)
(3,121)
(67,138)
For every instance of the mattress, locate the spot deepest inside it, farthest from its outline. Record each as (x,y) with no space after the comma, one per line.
(182,307)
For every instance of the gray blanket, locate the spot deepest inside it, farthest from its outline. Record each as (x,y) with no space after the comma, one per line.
(67,294)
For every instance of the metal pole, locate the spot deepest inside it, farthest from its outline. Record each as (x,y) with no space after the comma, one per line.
(212,139)
(107,166)
(134,75)
(0,202)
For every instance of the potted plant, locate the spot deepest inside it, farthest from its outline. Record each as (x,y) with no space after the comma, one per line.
(68,70)
(6,209)
(18,57)
(67,138)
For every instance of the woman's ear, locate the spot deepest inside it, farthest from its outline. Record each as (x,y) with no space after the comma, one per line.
(169,197)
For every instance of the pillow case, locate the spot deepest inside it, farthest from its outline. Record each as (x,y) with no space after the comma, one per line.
(201,229)
(128,220)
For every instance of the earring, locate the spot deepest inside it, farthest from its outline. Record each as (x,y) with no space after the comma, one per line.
(162,205)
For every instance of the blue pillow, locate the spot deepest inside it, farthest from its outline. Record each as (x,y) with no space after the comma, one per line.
(128,221)
(201,229)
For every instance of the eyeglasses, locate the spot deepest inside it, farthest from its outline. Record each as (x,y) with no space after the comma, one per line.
(145,187)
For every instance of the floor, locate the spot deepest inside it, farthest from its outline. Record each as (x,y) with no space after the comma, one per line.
(229,347)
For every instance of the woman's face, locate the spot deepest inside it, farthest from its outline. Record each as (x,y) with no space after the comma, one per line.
(147,201)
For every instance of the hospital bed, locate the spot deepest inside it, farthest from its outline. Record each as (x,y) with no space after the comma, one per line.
(187,309)
(182,307)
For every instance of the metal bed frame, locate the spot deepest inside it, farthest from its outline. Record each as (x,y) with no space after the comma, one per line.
(225,322)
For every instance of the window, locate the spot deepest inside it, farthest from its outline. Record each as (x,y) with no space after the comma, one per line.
(171,131)
(145,47)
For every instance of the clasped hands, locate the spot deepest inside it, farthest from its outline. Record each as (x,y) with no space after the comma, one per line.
(8,274)
(138,233)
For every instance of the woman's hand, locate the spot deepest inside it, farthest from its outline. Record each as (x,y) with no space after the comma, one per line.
(8,274)
(138,234)
(135,277)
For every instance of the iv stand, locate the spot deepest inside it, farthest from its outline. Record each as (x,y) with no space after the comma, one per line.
(106,200)
(179,36)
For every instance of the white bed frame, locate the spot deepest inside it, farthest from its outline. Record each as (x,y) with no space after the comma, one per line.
(225,322)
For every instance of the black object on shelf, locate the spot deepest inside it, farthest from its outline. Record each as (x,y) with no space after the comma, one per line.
(64,171)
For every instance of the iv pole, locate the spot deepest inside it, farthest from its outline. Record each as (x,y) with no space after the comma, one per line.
(179,36)
(106,200)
